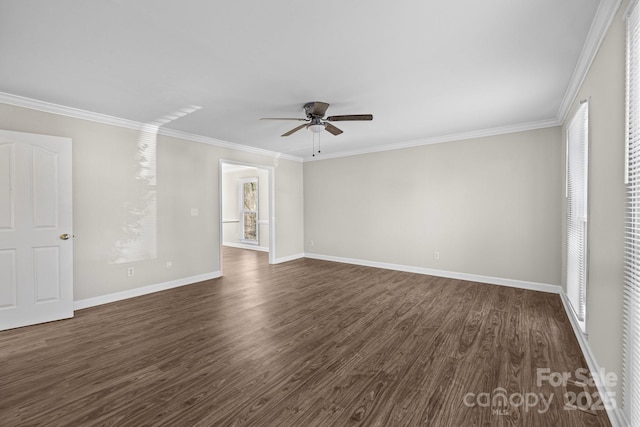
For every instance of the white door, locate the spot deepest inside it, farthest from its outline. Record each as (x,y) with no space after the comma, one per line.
(36,245)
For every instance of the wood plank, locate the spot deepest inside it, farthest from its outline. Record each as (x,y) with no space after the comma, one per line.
(307,342)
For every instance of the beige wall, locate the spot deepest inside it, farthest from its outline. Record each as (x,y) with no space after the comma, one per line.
(489,206)
(604,85)
(106,162)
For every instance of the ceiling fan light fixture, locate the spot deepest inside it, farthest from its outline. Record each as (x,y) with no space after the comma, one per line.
(316,127)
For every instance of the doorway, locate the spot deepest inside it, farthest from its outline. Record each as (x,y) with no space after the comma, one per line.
(246,208)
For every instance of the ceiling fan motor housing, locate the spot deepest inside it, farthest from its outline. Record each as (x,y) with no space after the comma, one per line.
(312,112)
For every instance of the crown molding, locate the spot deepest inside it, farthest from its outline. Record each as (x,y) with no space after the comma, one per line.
(502,130)
(48,107)
(225,144)
(599,26)
(77,113)
(61,110)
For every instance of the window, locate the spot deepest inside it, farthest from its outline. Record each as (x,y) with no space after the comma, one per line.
(249,210)
(576,193)
(631,342)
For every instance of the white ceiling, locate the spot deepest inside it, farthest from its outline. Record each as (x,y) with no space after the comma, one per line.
(424,69)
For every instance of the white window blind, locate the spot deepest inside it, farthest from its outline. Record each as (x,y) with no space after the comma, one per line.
(576,193)
(631,342)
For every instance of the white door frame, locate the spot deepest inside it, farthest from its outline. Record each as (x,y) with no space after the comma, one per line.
(272,205)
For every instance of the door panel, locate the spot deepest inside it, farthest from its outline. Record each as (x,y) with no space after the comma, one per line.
(45,188)
(8,286)
(46,273)
(7,182)
(36,261)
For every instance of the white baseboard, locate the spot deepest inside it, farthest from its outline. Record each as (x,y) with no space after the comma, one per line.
(288,258)
(534,286)
(131,293)
(245,246)
(616,416)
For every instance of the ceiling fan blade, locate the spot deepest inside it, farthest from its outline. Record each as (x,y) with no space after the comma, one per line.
(332,129)
(284,118)
(350,117)
(295,130)
(319,108)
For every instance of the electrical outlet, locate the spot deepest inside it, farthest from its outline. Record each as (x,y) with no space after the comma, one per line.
(130,271)
(311,243)
(169,265)
(436,255)
(194,212)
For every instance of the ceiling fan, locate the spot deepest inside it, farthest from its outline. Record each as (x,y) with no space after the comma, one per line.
(316,122)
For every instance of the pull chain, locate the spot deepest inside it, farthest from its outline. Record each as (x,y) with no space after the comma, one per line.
(313,145)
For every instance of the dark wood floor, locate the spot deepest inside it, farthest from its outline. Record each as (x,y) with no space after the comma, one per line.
(305,343)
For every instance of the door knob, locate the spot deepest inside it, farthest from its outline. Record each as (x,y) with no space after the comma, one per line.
(65,236)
